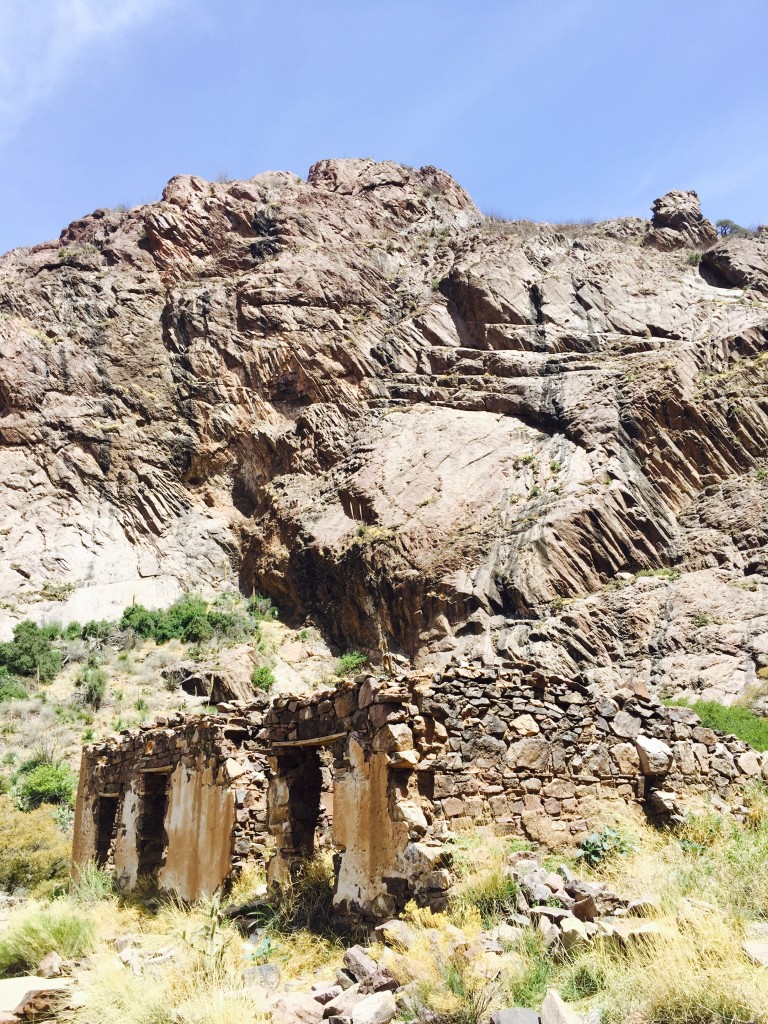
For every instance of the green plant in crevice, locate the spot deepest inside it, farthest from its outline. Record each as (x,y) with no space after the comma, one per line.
(350,662)
(600,846)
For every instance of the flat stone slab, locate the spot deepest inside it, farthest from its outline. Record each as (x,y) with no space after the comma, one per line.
(15,991)
(757,952)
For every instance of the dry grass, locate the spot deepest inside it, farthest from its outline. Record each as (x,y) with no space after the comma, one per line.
(708,879)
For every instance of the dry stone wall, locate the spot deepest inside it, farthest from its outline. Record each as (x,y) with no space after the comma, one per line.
(384,770)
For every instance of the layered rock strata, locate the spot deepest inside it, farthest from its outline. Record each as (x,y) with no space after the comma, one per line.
(411,422)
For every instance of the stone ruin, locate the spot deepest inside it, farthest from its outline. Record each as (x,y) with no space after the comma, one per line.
(381,771)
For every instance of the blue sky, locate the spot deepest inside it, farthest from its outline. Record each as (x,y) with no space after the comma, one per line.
(553,110)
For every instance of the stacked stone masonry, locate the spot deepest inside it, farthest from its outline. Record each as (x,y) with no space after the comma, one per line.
(383,770)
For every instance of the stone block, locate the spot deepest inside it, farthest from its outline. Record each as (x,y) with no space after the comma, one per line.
(515,1015)
(297,1008)
(378,1008)
(531,753)
(626,726)
(396,736)
(524,725)
(555,1011)
(655,756)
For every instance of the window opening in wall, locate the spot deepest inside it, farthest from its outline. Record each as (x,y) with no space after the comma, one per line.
(151,834)
(106,827)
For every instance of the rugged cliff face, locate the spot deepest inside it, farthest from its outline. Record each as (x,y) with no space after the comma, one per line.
(438,434)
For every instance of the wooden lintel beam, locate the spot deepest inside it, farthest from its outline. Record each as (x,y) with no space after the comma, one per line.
(318,741)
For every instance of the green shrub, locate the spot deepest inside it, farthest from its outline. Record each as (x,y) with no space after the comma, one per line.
(600,846)
(97,629)
(189,619)
(261,607)
(45,784)
(726,227)
(173,623)
(350,662)
(94,683)
(10,688)
(140,619)
(735,721)
(263,678)
(31,652)
(68,932)
(33,853)
(694,258)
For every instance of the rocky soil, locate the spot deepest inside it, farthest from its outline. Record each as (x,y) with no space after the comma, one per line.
(438,434)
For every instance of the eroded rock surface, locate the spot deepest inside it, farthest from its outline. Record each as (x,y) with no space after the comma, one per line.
(435,433)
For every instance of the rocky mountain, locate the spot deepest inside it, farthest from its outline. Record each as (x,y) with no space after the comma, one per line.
(438,434)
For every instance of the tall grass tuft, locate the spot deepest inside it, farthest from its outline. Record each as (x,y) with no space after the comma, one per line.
(60,928)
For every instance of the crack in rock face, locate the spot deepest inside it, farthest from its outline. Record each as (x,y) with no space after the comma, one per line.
(439,434)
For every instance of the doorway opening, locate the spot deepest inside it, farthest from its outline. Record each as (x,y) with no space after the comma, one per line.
(106,827)
(152,839)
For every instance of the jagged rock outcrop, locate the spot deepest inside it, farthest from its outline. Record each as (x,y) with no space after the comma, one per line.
(412,422)
(678,223)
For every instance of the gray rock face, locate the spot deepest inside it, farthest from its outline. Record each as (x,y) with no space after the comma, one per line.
(439,434)
(677,223)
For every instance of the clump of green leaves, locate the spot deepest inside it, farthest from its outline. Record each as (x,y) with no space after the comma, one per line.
(40,781)
(493,895)
(600,846)
(70,933)
(727,227)
(193,620)
(350,662)
(263,678)
(93,680)
(33,852)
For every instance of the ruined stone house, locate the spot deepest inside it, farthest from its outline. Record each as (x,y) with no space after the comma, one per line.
(382,771)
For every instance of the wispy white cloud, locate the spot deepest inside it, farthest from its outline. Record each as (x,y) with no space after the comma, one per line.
(41,40)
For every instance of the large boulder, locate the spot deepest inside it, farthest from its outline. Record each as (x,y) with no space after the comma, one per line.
(677,223)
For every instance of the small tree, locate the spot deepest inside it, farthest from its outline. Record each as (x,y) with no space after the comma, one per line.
(729,227)
(31,652)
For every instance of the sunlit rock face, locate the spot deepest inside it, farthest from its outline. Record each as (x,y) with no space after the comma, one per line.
(438,434)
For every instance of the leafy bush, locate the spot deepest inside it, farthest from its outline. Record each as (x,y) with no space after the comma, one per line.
(68,932)
(191,620)
(694,258)
(183,615)
(350,662)
(735,721)
(33,853)
(94,683)
(45,784)
(97,629)
(31,652)
(600,846)
(141,620)
(263,678)
(10,688)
